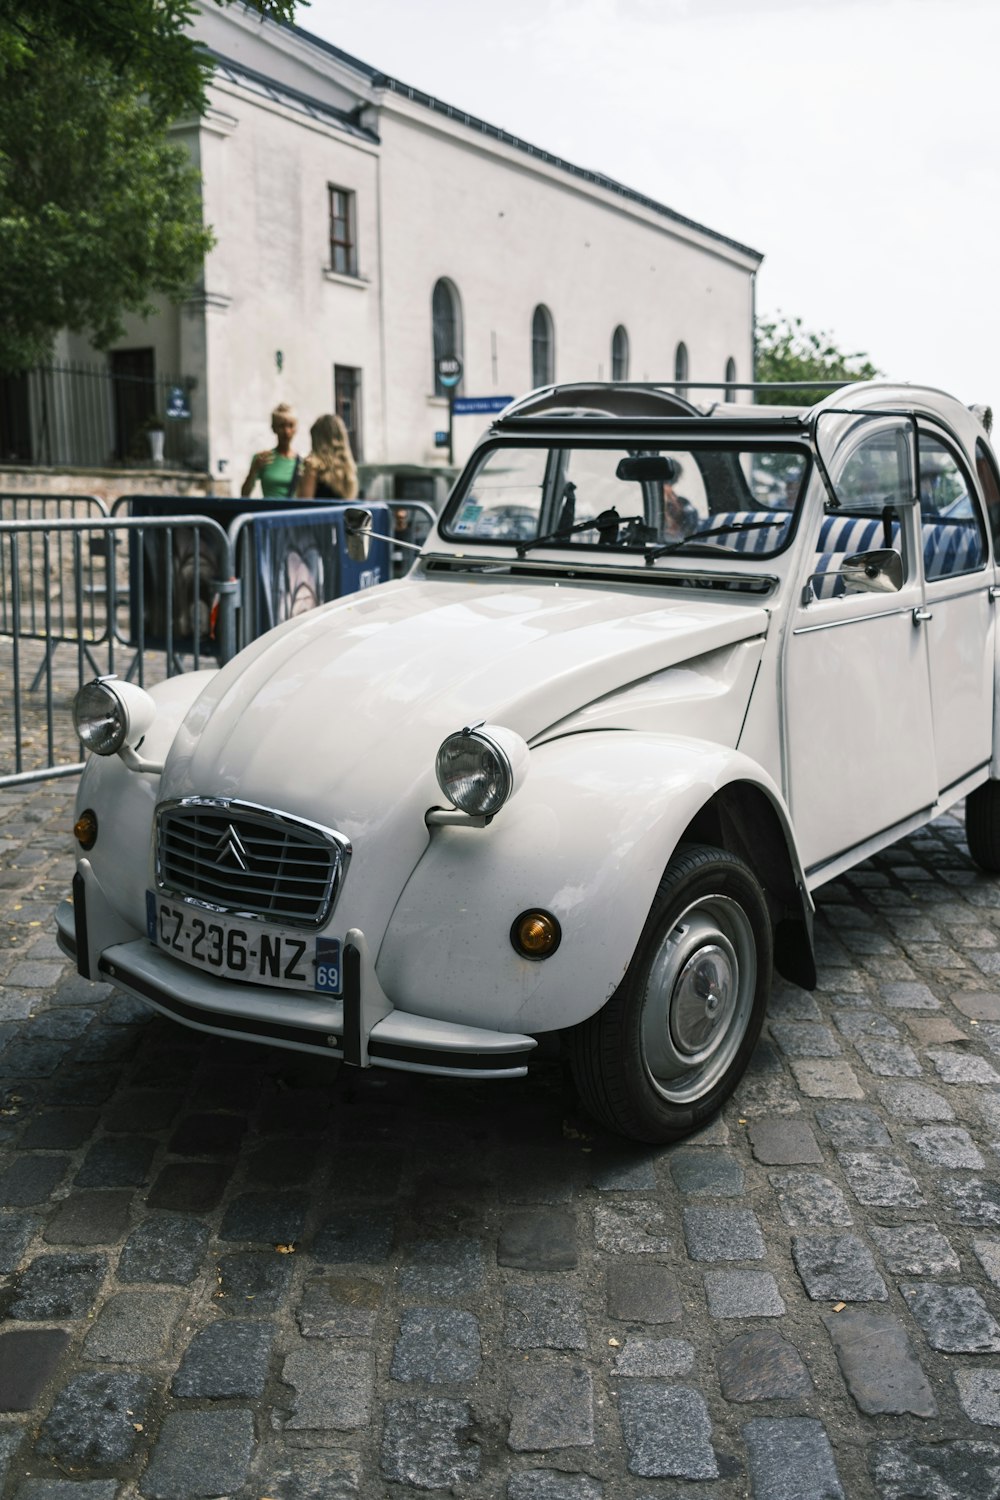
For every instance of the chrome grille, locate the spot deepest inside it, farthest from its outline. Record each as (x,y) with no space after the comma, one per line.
(233,856)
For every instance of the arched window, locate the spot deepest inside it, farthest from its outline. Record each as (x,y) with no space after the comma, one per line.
(543,347)
(619,354)
(446,317)
(681,363)
(730,377)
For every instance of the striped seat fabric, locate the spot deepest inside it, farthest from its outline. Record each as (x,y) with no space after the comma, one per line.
(758,537)
(855,534)
(825,577)
(952,547)
(949,546)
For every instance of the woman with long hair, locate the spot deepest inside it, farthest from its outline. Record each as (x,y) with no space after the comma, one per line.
(329,471)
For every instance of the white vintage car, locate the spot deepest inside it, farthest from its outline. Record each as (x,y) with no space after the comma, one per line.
(578,775)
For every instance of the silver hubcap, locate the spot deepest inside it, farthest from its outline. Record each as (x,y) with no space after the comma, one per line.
(698,998)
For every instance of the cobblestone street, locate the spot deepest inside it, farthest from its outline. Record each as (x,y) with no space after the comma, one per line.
(230,1271)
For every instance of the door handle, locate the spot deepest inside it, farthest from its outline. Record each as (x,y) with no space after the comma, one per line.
(920,615)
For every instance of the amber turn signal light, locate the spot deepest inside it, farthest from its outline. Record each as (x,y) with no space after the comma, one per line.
(85,829)
(536,934)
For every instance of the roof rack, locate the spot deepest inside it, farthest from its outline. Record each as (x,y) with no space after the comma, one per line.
(635,398)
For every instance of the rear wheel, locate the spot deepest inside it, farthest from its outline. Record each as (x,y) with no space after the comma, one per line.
(673,1041)
(982,826)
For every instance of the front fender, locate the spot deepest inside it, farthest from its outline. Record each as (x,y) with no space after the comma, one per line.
(587,838)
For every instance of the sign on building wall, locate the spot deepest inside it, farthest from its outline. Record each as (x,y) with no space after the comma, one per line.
(474,406)
(449,370)
(177,402)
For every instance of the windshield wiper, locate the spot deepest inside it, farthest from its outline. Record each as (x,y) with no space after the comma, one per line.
(652,553)
(607,523)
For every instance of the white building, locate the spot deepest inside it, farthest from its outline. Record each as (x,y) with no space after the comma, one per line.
(363,228)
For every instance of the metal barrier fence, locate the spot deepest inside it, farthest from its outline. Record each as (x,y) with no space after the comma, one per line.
(94,603)
(49,621)
(142,597)
(411,523)
(17,505)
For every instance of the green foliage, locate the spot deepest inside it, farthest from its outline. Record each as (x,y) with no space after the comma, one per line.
(99,212)
(148,41)
(785,352)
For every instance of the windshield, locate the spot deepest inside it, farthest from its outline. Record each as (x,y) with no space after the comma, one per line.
(705,499)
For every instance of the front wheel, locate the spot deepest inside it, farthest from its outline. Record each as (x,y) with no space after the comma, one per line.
(671,1044)
(982,826)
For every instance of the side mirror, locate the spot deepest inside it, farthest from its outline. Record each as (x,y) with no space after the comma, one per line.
(878,572)
(357,532)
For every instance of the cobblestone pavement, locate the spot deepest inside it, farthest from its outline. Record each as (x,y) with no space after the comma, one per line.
(229,1271)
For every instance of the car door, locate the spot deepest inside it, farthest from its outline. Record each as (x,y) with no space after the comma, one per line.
(958,618)
(859,744)
(989,480)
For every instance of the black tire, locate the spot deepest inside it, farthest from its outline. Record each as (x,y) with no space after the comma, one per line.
(982,826)
(671,1044)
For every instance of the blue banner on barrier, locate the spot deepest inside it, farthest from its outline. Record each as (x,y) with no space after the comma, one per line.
(302,561)
(293,563)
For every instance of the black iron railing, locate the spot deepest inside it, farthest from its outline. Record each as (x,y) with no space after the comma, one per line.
(95,416)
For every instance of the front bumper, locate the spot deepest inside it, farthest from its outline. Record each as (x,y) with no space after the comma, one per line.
(362,1029)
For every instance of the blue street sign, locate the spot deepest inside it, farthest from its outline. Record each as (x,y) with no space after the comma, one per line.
(440,440)
(177,405)
(472,406)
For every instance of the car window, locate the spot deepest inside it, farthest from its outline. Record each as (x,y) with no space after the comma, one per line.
(871,482)
(953,536)
(504,499)
(710,497)
(874,475)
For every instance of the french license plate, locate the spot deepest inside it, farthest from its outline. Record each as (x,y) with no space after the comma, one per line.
(252,952)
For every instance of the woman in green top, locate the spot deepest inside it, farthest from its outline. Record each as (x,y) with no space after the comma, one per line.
(277,468)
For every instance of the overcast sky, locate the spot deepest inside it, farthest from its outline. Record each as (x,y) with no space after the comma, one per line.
(854,142)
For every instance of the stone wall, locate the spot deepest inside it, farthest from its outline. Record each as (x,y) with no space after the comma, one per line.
(109,484)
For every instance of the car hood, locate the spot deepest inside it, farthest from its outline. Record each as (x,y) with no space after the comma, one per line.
(377,680)
(337,716)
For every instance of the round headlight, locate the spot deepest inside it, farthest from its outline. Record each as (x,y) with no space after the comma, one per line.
(479,769)
(99,719)
(109,714)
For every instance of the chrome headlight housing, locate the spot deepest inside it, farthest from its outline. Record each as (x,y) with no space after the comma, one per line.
(109,715)
(481,767)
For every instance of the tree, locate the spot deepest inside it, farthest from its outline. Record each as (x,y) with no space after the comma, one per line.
(785,352)
(99,212)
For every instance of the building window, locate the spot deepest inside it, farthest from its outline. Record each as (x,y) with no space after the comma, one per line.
(343,234)
(543,352)
(347,404)
(681,364)
(619,354)
(446,317)
(730,378)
